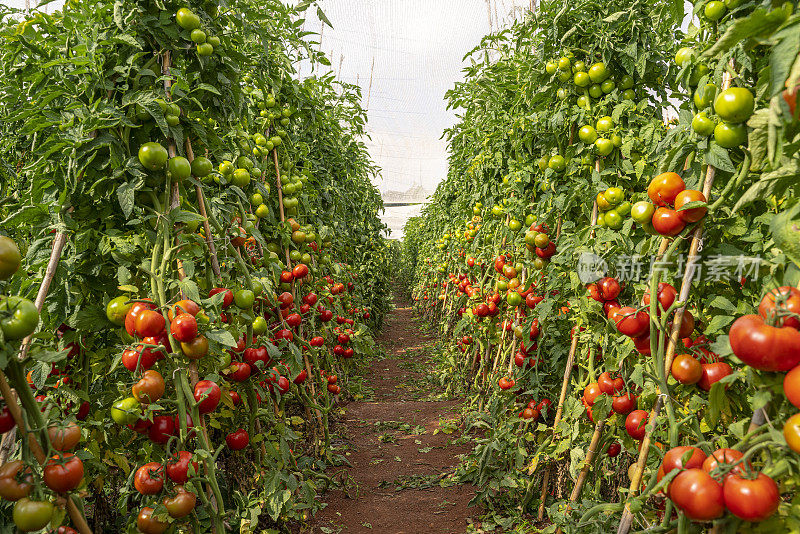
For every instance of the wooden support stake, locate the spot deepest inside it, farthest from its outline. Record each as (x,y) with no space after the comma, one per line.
(556,420)
(584,474)
(201,204)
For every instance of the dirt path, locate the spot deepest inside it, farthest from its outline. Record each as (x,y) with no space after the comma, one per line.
(400,446)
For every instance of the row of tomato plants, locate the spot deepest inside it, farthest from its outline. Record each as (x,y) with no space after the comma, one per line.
(570,200)
(191,266)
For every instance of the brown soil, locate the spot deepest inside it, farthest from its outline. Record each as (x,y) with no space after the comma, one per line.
(399,460)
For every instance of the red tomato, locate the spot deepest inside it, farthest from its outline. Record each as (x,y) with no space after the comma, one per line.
(635,424)
(663,189)
(713,373)
(630,322)
(789,298)
(178,467)
(613,449)
(210,394)
(149,479)
(666,295)
(609,288)
(722,458)
(686,369)
(181,504)
(162,429)
(147,524)
(293,320)
(751,500)
(791,386)
(594,292)
(690,215)
(610,306)
(184,327)
(667,222)
(300,271)
(149,323)
(239,371)
(673,458)
(227,298)
(63,472)
(590,393)
(765,347)
(183,306)
(623,404)
(133,313)
(697,495)
(237,440)
(610,385)
(506,383)
(6,420)
(687,324)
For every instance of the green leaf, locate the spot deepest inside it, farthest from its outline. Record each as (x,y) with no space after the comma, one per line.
(223,337)
(125,195)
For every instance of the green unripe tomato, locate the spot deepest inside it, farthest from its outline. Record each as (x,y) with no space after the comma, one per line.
(205,49)
(550,67)
(604,124)
(604,146)
(587,134)
(306,258)
(172,120)
(241,178)
(161,104)
(543,164)
(179,169)
(125,411)
(153,156)
(564,75)
(562,93)
(642,212)
(117,309)
(226,168)
(187,19)
(624,208)
(683,56)
(614,195)
(256,199)
(10,257)
(262,211)
(258,288)
(201,166)
(702,125)
(259,325)
(514,225)
(530,219)
(595,91)
(564,63)
(714,10)
(730,135)
(581,79)
(613,219)
(616,140)
(601,220)
(608,86)
(214,41)
(557,163)
(583,102)
(735,104)
(628,94)
(579,66)
(699,71)
(598,72)
(704,96)
(244,299)
(198,36)
(626,82)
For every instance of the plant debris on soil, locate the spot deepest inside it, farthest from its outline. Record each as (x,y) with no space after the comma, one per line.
(401,448)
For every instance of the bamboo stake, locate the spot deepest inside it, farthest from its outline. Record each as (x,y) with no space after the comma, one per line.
(590,454)
(201,204)
(556,420)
